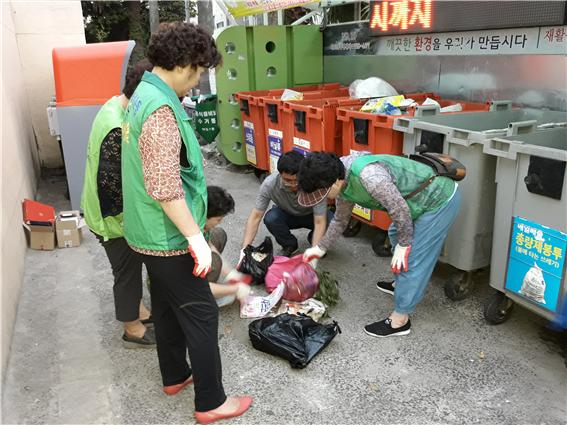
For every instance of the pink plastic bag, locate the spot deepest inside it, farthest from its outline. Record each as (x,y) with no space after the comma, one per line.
(301,281)
(277,269)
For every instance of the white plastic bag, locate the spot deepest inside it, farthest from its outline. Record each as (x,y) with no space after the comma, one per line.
(430,101)
(254,306)
(288,95)
(457,107)
(371,87)
(311,307)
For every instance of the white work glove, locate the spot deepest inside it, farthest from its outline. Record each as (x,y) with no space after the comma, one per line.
(243,291)
(234,277)
(242,282)
(312,255)
(201,253)
(400,258)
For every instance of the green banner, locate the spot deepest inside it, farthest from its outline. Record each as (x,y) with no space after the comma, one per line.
(205,118)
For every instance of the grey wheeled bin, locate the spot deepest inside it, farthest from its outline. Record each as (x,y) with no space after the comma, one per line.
(530,224)
(461,136)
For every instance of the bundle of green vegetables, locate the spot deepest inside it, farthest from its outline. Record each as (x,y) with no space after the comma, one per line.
(328,292)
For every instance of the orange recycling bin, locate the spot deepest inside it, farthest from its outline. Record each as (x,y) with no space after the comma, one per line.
(276,126)
(253,121)
(374,133)
(311,125)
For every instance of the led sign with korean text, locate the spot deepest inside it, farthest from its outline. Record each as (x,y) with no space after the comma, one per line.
(390,17)
(401,14)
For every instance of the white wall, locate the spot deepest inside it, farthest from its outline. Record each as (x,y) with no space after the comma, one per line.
(20,169)
(29,32)
(41,26)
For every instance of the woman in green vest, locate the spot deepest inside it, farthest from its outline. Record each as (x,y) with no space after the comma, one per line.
(422,208)
(101,202)
(165,209)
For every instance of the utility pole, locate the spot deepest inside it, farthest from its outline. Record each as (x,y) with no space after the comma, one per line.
(154,15)
(206,21)
(187,12)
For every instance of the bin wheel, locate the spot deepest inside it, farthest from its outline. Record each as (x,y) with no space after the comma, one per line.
(353,228)
(459,286)
(260,174)
(381,244)
(498,308)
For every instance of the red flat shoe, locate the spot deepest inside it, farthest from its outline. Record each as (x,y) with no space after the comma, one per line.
(211,416)
(174,389)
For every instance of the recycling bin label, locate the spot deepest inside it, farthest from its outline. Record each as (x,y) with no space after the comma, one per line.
(250,144)
(275,146)
(536,264)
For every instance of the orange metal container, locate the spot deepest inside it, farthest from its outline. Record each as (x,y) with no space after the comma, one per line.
(311,125)
(374,133)
(89,74)
(276,130)
(253,120)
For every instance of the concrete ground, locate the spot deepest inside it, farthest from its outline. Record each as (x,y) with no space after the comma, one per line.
(67,363)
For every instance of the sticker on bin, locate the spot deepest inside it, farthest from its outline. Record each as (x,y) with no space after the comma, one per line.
(302,143)
(536,263)
(250,145)
(275,146)
(362,212)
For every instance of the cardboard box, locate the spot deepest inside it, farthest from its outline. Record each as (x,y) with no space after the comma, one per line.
(68,227)
(39,221)
(41,237)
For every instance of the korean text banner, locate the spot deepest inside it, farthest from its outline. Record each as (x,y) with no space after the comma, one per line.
(537,262)
(240,8)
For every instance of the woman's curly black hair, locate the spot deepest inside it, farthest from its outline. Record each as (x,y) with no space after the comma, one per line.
(181,44)
(219,203)
(320,170)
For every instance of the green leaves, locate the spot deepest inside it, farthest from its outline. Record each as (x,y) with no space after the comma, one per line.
(328,292)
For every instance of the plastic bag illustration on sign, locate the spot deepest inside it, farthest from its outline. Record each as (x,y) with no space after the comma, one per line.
(533,285)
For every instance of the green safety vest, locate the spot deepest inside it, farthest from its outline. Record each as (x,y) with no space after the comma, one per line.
(146,225)
(408,176)
(107,119)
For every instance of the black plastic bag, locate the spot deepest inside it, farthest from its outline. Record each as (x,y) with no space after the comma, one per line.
(257,269)
(295,338)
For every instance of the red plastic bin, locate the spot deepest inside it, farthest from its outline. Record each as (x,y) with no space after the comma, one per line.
(311,125)
(364,131)
(253,121)
(276,130)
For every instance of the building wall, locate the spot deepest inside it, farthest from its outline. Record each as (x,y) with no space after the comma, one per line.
(41,26)
(29,31)
(20,169)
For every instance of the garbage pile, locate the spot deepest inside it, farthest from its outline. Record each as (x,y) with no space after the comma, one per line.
(288,317)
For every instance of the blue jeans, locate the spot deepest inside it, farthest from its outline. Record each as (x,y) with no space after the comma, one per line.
(429,233)
(279,224)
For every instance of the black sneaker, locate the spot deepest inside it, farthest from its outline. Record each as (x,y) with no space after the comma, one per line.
(384,328)
(147,341)
(387,287)
(288,251)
